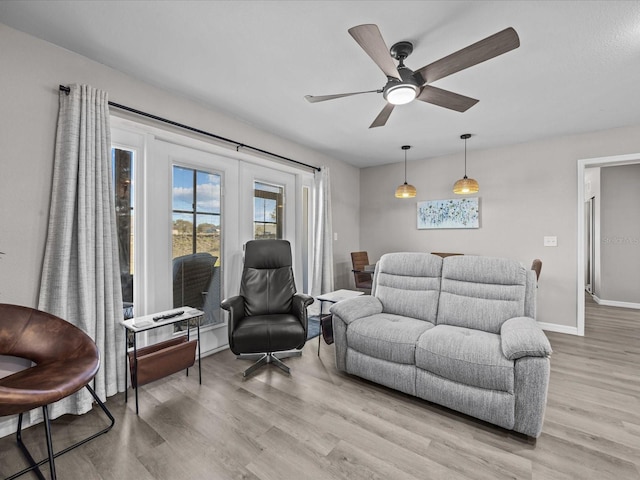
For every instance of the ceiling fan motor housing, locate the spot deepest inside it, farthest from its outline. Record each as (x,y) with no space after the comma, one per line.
(407,87)
(401,50)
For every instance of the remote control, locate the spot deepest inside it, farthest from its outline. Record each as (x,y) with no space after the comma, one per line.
(168,315)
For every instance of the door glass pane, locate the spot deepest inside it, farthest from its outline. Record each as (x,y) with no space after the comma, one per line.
(196,244)
(268,211)
(208,234)
(208,192)
(182,234)
(123,182)
(182,189)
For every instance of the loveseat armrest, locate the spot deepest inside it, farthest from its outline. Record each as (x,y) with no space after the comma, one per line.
(523,337)
(354,308)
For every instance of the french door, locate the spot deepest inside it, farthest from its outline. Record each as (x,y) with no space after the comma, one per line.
(268,206)
(189,197)
(192,215)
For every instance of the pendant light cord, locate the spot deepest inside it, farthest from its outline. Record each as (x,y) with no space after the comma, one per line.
(465,137)
(405,148)
(405,166)
(465,158)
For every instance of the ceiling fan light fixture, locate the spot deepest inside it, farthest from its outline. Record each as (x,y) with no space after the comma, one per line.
(465,185)
(405,190)
(401,94)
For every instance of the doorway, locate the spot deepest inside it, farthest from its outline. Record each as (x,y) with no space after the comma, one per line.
(581,286)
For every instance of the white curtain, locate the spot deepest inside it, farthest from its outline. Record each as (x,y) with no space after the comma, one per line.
(322,269)
(80,275)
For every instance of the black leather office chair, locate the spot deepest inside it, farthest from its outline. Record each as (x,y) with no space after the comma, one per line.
(268,316)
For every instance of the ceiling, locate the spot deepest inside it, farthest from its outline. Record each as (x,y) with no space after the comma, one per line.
(577,68)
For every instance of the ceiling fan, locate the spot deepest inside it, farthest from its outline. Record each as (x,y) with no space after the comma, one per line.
(405,85)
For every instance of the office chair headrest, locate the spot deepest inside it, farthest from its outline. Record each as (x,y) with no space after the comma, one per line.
(267,254)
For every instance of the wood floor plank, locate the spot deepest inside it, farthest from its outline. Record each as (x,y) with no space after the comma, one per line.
(319,423)
(358,464)
(399,456)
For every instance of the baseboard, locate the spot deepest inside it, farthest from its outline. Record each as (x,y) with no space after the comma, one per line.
(615,303)
(215,350)
(553,327)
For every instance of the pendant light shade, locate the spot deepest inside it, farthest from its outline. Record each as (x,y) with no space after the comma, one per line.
(465,185)
(405,190)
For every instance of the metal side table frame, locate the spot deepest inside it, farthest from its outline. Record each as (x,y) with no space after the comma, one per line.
(334,297)
(148,322)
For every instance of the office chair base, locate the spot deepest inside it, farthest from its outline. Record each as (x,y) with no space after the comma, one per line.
(35,466)
(265,358)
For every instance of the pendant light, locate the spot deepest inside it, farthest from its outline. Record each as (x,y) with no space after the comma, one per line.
(465,185)
(405,190)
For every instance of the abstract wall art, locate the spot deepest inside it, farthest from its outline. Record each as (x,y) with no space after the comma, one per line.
(454,213)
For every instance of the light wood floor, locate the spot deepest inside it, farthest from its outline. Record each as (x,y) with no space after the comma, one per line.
(320,424)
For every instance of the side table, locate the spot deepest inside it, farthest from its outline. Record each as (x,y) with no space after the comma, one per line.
(334,297)
(163,358)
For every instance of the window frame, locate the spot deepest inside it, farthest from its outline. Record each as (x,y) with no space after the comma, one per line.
(153,214)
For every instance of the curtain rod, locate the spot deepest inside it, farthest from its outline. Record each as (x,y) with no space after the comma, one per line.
(238,145)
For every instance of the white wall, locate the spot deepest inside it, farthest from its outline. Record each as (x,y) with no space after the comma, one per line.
(31,72)
(527,191)
(592,190)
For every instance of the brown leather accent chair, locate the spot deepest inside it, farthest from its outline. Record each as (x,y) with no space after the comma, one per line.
(65,360)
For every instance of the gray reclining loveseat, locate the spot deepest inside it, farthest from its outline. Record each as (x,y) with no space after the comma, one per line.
(458,331)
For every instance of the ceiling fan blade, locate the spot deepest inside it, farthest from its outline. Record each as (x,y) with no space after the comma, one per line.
(383,116)
(324,98)
(446,99)
(486,49)
(370,39)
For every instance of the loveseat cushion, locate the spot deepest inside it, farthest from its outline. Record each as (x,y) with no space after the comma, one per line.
(387,336)
(481,292)
(408,283)
(467,356)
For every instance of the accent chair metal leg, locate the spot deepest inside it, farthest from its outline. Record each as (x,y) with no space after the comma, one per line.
(47,429)
(35,466)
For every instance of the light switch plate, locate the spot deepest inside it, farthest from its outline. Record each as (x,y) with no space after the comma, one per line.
(550,241)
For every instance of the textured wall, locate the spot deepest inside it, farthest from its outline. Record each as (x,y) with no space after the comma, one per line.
(620,234)
(31,72)
(527,191)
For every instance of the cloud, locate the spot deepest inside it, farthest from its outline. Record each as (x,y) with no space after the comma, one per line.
(208,198)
